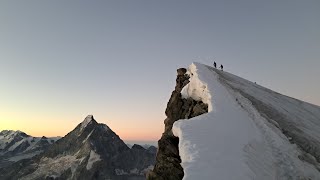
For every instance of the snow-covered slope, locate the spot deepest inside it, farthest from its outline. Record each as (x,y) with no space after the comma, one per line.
(17,145)
(250,132)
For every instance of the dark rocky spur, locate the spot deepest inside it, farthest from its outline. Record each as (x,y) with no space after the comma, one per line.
(168,160)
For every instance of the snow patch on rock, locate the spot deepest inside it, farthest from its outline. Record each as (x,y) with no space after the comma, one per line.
(54,167)
(87,136)
(94,157)
(134,171)
(120,172)
(13,147)
(86,121)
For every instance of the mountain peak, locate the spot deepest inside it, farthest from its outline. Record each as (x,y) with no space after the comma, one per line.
(89,117)
(88,120)
(13,133)
(138,147)
(92,150)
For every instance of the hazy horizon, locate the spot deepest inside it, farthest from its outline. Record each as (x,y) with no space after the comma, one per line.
(117,60)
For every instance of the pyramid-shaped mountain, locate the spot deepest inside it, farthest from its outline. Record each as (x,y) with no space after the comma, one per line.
(91,151)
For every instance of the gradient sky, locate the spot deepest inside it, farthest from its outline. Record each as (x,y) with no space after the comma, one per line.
(62,60)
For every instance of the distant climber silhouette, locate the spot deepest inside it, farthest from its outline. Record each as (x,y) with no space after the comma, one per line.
(221,67)
(215,64)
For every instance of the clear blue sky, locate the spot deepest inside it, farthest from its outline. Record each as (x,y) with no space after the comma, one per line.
(61,60)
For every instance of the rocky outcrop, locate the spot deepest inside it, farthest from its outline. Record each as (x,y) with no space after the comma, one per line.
(168,161)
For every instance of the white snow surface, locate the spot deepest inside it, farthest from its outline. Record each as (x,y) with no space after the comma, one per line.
(7,144)
(196,88)
(7,137)
(87,136)
(13,147)
(94,157)
(233,141)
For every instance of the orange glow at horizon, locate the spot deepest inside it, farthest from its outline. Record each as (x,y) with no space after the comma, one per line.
(142,130)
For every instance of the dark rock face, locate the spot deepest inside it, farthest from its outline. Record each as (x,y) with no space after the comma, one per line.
(152,150)
(182,79)
(168,161)
(181,71)
(90,151)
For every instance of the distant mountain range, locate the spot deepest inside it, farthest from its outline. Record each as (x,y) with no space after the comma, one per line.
(17,145)
(90,151)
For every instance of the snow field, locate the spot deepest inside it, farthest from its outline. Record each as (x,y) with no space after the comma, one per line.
(233,141)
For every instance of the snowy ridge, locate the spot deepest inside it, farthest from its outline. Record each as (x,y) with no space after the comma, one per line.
(7,136)
(197,88)
(233,140)
(87,137)
(16,145)
(31,141)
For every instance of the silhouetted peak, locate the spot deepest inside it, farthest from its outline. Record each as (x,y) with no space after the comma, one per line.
(136,146)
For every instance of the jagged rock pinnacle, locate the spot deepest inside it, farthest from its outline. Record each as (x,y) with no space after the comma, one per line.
(168,159)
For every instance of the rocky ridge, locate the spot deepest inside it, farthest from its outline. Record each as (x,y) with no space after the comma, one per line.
(168,161)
